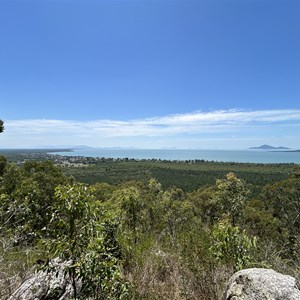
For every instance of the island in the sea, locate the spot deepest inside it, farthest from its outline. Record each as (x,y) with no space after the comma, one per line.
(268,147)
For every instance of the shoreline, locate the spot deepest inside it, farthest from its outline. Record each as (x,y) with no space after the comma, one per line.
(191,156)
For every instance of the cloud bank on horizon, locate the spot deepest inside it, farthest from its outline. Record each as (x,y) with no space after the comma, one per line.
(224,129)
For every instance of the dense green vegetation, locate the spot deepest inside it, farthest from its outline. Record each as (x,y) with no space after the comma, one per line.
(188,175)
(147,229)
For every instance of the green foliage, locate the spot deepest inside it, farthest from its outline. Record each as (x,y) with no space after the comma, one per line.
(138,205)
(171,229)
(187,175)
(231,195)
(198,263)
(282,199)
(205,205)
(1,126)
(99,266)
(3,162)
(72,220)
(232,246)
(176,213)
(102,191)
(27,195)
(260,221)
(88,244)
(11,178)
(131,206)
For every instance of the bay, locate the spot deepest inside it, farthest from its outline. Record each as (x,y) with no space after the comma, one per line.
(240,156)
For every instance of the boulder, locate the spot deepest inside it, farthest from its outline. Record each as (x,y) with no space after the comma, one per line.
(261,284)
(51,284)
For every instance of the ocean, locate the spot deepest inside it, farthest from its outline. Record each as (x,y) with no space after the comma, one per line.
(241,156)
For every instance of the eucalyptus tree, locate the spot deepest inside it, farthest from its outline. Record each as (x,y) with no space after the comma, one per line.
(231,195)
(82,234)
(283,200)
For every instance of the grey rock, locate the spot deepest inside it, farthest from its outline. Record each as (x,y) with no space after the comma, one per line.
(47,285)
(261,284)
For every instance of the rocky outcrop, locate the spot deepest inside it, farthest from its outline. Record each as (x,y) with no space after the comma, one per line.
(261,284)
(52,284)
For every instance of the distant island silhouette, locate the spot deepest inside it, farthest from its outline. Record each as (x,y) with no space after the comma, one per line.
(269,147)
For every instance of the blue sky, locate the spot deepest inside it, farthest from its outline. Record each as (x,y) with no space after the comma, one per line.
(151,74)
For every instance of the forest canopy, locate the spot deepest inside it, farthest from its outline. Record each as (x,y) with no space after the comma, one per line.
(141,239)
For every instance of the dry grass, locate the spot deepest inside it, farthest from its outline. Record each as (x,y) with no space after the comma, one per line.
(162,276)
(15,267)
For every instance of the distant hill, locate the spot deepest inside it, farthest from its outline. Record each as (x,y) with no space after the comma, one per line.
(268,147)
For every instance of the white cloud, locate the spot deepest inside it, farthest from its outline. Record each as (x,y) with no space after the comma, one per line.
(40,131)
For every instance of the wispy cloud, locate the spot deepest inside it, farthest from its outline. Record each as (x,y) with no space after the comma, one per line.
(195,123)
(171,124)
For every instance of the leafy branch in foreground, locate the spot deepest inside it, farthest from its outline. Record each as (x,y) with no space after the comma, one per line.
(232,246)
(83,237)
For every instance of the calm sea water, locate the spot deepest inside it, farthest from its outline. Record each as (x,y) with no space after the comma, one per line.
(244,156)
